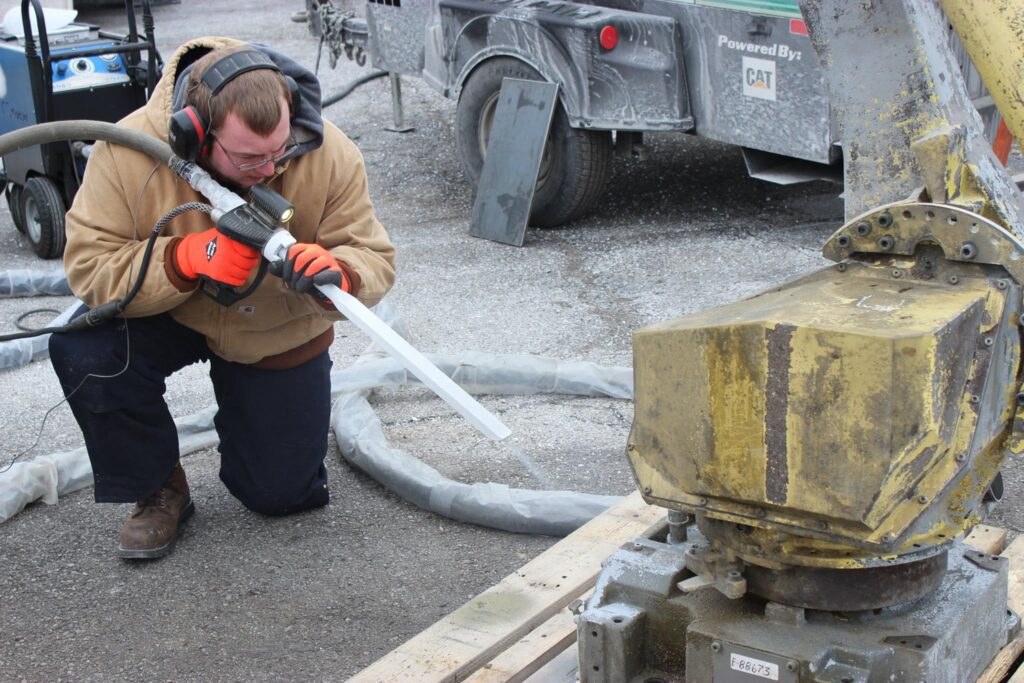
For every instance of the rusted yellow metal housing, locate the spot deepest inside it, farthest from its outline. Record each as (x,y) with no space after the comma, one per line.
(845,418)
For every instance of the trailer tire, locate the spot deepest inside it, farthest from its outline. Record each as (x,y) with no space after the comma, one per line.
(43,210)
(576,163)
(13,194)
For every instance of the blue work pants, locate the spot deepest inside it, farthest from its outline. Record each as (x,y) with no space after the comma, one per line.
(272,423)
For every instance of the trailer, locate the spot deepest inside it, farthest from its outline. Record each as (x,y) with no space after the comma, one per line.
(742,72)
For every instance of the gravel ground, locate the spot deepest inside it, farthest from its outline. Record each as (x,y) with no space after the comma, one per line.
(320,595)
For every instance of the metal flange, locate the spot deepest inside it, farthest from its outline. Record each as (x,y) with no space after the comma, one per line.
(898,228)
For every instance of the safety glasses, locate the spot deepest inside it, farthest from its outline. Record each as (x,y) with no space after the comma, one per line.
(286,151)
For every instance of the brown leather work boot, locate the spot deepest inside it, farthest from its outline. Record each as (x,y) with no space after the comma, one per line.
(152,528)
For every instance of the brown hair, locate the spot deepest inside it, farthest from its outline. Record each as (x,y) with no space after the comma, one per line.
(254,96)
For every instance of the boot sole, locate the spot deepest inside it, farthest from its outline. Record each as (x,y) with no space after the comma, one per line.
(162,551)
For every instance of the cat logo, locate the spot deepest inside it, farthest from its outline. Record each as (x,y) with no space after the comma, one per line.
(759,78)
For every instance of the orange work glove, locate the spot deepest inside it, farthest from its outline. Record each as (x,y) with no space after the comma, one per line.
(216,256)
(308,265)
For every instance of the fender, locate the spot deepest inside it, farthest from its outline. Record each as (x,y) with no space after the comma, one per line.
(638,85)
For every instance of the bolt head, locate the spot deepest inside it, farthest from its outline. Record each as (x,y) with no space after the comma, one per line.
(896,272)
(922,499)
(702,501)
(791,665)
(960,457)
(953,279)
(647,490)
(716,646)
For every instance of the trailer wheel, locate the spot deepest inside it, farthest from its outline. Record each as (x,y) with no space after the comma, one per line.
(13,194)
(575,164)
(43,210)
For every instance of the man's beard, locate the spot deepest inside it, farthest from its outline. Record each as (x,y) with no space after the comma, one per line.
(226,182)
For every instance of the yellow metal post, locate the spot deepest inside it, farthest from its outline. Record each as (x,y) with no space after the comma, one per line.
(993,33)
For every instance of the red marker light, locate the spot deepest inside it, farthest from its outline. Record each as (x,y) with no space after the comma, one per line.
(798,26)
(609,37)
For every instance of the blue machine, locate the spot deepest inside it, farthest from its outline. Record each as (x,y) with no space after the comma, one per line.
(77,73)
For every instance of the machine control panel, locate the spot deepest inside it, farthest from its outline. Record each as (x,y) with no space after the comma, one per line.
(82,73)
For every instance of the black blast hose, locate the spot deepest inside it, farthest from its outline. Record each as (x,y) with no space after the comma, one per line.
(66,131)
(223,200)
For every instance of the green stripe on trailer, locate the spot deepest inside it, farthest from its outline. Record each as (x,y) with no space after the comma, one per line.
(782,8)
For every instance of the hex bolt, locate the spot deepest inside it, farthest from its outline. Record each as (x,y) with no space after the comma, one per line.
(953,279)
(844,241)
(791,665)
(863,228)
(716,646)
(886,243)
(968,250)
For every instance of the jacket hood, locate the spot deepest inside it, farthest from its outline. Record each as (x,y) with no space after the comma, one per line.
(169,94)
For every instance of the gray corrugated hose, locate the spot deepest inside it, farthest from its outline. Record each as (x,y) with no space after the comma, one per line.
(362,442)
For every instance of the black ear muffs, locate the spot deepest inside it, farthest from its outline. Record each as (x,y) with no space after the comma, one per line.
(296,93)
(188,133)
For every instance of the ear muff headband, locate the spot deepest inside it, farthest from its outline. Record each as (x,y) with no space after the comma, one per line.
(234,65)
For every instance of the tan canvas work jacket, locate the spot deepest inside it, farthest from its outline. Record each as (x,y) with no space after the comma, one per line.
(124,193)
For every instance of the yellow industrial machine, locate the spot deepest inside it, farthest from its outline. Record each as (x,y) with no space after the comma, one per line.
(824,445)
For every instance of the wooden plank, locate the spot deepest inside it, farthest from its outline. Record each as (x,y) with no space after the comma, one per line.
(459,644)
(989,539)
(530,652)
(564,668)
(1000,666)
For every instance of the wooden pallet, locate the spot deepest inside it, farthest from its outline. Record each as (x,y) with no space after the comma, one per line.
(521,629)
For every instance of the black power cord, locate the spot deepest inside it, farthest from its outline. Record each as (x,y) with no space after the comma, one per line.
(348,89)
(104,312)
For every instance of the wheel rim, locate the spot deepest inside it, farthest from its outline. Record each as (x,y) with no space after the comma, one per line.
(487,122)
(32,224)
